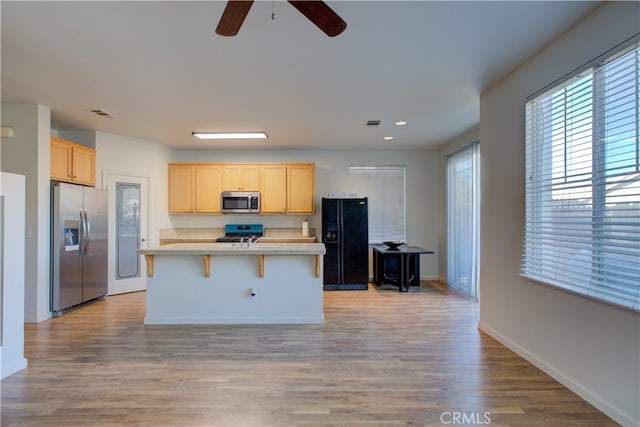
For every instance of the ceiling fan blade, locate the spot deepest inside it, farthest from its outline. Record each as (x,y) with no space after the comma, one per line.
(321,15)
(233,17)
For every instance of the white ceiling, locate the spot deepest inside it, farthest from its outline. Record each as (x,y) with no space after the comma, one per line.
(162,73)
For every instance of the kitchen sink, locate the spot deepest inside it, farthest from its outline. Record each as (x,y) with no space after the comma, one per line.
(255,245)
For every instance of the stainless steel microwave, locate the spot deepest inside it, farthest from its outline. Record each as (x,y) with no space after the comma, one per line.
(240,202)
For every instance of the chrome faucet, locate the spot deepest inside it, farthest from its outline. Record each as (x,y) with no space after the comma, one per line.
(251,240)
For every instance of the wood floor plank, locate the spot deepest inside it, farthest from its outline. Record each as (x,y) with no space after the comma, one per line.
(382,358)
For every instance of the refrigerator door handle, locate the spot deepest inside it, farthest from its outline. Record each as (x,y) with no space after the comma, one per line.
(82,235)
(87,226)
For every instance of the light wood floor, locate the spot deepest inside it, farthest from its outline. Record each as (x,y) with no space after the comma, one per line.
(382,358)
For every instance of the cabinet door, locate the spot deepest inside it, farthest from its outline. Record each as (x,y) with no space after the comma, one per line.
(207,189)
(84,165)
(240,178)
(273,193)
(60,160)
(181,188)
(300,188)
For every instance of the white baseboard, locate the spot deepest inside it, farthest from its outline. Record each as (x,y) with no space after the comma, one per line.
(587,394)
(213,320)
(422,277)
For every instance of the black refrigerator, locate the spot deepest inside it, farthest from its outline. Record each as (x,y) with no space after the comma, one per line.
(345,234)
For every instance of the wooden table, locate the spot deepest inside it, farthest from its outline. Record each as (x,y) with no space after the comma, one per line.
(399,267)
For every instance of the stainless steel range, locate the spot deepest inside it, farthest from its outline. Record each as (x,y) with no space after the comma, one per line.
(238,232)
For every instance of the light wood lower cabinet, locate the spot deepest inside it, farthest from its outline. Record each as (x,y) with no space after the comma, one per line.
(194,188)
(285,188)
(72,162)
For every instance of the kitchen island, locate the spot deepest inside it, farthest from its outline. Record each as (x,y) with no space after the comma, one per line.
(223,283)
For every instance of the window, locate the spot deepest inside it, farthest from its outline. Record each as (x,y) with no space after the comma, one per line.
(127,230)
(463,219)
(384,186)
(582,230)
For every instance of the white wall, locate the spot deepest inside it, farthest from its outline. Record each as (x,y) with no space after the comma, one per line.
(422,184)
(591,347)
(12,227)
(140,158)
(82,137)
(27,153)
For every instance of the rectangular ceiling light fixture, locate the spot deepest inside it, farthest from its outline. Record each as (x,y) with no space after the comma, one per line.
(230,135)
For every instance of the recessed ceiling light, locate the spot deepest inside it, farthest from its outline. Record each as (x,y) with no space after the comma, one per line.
(388,138)
(230,135)
(401,122)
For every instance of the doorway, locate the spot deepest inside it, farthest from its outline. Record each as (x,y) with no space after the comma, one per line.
(128,218)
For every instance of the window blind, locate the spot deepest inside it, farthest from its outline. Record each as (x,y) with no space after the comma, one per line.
(582,228)
(463,219)
(385,188)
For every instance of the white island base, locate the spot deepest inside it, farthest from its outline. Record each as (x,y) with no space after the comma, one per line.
(179,291)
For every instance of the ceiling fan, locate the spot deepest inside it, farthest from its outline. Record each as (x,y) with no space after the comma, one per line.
(316,11)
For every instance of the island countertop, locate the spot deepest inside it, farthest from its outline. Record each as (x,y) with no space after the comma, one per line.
(235,249)
(209,235)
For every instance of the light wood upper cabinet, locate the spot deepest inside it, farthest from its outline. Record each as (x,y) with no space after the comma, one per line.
(84,165)
(285,188)
(194,188)
(181,188)
(240,177)
(60,160)
(273,189)
(72,162)
(207,189)
(300,188)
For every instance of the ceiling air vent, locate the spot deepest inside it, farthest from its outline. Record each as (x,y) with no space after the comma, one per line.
(372,123)
(101,113)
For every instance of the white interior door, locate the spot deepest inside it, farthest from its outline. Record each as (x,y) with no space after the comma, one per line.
(128,217)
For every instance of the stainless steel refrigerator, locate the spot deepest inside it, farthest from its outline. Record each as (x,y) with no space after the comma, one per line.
(78,245)
(345,234)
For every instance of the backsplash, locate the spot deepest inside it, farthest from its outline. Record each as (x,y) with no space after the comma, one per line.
(219,221)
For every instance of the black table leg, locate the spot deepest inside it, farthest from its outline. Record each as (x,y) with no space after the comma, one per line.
(404,272)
